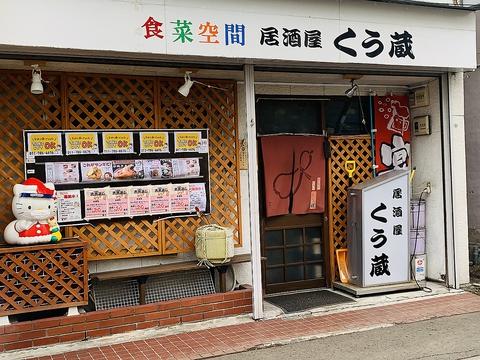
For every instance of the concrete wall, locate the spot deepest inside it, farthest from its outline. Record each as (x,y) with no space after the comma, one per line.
(472,140)
(427,158)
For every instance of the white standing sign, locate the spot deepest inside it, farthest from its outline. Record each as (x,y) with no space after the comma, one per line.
(385,232)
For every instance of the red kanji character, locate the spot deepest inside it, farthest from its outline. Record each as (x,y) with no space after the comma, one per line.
(152,28)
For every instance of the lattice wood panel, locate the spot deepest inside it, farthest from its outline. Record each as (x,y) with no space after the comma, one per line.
(114,102)
(42,277)
(19,110)
(344,148)
(79,101)
(214,109)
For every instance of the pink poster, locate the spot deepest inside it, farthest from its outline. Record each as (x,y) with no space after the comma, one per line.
(179,198)
(159,199)
(139,201)
(118,202)
(96,203)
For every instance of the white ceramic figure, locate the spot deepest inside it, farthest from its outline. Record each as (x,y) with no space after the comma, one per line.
(34,206)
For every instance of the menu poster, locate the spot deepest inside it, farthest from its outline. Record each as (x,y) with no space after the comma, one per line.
(69,206)
(152,169)
(117,142)
(198,196)
(166,170)
(127,169)
(139,200)
(118,202)
(96,171)
(154,142)
(203,146)
(179,198)
(96,203)
(62,172)
(81,143)
(186,167)
(159,199)
(44,144)
(187,141)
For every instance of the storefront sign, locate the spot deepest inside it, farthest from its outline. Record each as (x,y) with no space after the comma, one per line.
(340,31)
(187,141)
(153,142)
(393,135)
(81,143)
(386,232)
(117,142)
(44,144)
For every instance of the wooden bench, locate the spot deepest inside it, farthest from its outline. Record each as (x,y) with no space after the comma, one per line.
(142,274)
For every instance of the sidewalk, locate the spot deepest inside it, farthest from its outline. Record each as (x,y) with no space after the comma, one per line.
(248,334)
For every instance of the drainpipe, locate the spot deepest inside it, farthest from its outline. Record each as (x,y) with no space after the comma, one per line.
(253,192)
(455,180)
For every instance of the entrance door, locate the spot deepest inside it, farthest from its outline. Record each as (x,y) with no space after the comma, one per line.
(293,245)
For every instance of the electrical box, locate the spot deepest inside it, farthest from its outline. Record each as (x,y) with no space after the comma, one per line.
(378,230)
(419,267)
(421,125)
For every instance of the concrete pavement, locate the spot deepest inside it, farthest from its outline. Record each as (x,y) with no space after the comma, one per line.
(453,337)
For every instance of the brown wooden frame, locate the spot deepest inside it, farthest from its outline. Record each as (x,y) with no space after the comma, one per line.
(43,277)
(126,102)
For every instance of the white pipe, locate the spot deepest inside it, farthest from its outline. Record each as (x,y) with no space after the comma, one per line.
(253,193)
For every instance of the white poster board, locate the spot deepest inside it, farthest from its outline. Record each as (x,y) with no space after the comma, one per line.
(385,214)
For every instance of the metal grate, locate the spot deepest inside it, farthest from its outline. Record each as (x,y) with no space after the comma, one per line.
(179,285)
(114,294)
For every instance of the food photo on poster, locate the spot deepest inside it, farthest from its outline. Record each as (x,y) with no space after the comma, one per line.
(62,172)
(127,169)
(96,171)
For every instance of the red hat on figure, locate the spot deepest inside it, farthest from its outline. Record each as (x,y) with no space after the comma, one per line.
(40,189)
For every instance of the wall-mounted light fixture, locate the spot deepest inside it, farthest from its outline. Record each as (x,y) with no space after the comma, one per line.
(37,86)
(353,89)
(185,88)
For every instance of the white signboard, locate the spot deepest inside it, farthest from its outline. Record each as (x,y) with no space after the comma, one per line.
(385,233)
(341,31)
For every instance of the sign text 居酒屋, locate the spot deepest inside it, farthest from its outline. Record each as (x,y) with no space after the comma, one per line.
(184,31)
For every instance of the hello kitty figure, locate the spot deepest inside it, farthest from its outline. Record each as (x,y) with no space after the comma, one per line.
(34,206)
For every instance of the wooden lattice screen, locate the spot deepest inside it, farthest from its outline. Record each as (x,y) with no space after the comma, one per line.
(113,102)
(79,101)
(20,109)
(214,109)
(43,277)
(344,148)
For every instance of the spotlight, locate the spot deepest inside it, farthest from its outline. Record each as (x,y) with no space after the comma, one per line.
(353,89)
(37,86)
(185,88)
